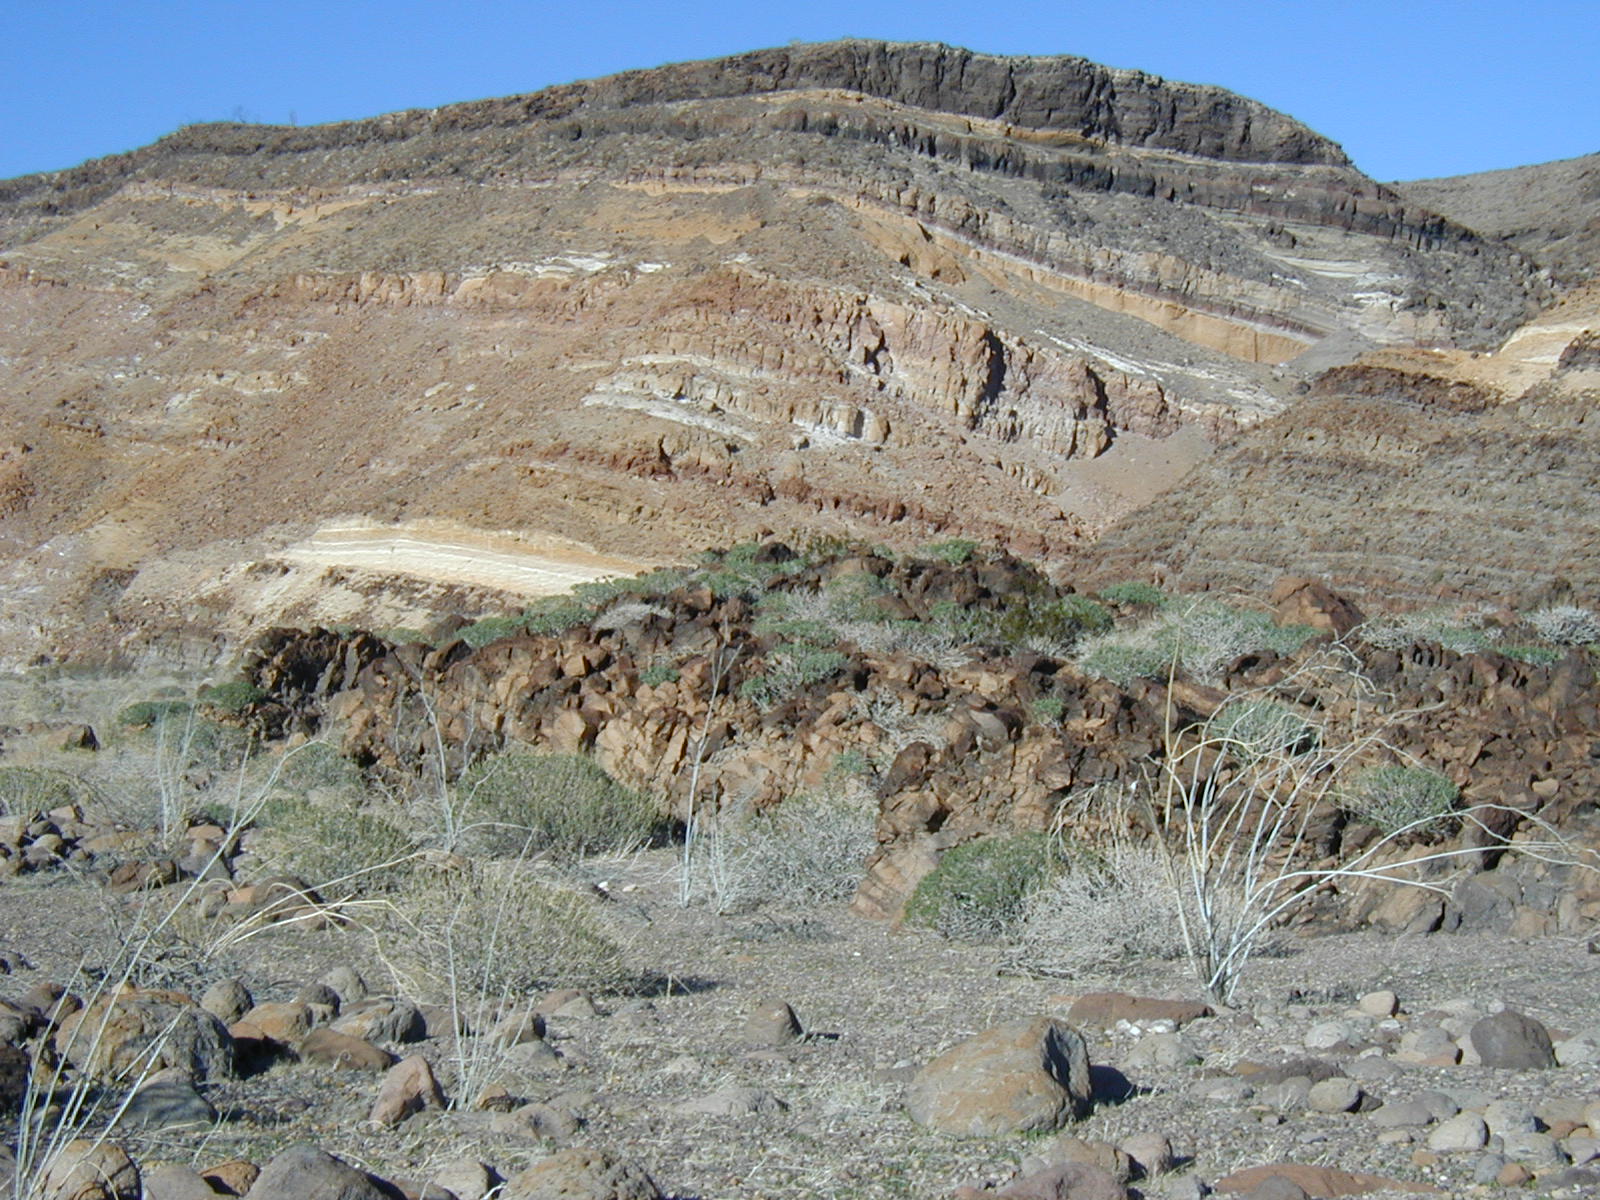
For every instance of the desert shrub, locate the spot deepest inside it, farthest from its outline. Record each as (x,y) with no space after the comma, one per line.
(791,667)
(1202,638)
(658,673)
(563,805)
(1565,625)
(1538,656)
(1051,626)
(954,551)
(339,840)
(317,765)
(743,570)
(556,615)
(1048,709)
(28,790)
(851,597)
(142,714)
(490,629)
(493,929)
(979,889)
(810,849)
(1134,593)
(1253,728)
(1101,910)
(1396,798)
(1462,632)
(234,696)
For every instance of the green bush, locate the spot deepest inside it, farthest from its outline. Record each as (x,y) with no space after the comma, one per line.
(490,629)
(515,803)
(234,696)
(1051,624)
(1395,798)
(954,551)
(317,765)
(980,889)
(28,790)
(810,849)
(1258,729)
(791,667)
(1202,638)
(1048,709)
(658,673)
(491,930)
(343,842)
(144,713)
(1133,593)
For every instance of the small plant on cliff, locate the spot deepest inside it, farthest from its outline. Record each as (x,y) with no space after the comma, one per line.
(980,889)
(658,673)
(563,805)
(232,697)
(954,551)
(1134,594)
(791,667)
(1399,798)
(1202,637)
(1565,625)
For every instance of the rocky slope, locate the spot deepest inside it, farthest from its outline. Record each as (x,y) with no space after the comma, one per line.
(900,290)
(1422,475)
(1550,212)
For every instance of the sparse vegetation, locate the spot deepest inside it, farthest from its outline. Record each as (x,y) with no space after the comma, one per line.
(1402,799)
(1133,594)
(516,804)
(954,551)
(980,889)
(1565,625)
(1201,637)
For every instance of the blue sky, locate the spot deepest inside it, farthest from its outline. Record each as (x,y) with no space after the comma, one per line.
(1410,88)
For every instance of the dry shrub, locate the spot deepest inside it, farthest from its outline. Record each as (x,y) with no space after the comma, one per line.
(564,805)
(493,929)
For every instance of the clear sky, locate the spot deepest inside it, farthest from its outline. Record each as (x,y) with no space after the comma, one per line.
(1410,88)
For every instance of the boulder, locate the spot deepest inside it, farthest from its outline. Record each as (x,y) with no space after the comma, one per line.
(407,1088)
(140,1031)
(89,1169)
(1511,1039)
(306,1173)
(581,1173)
(345,1051)
(1026,1076)
(1315,1181)
(1102,1010)
(771,1024)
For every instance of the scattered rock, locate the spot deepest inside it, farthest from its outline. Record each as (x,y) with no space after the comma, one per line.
(168,1101)
(284,1022)
(88,1169)
(138,1032)
(465,1179)
(227,1000)
(1315,1181)
(1023,1077)
(1404,1114)
(1102,1010)
(1463,1132)
(1510,1039)
(384,1021)
(772,1024)
(172,1182)
(1379,1004)
(307,1173)
(1336,1095)
(336,1049)
(521,1025)
(408,1087)
(1150,1153)
(581,1174)
(734,1101)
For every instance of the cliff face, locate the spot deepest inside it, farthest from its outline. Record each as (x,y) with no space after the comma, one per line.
(897,291)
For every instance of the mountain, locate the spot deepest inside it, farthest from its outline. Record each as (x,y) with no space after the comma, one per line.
(445,359)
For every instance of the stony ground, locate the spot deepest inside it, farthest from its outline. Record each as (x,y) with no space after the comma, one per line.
(826,1115)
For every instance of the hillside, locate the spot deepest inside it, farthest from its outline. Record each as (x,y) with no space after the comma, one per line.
(900,291)
(1550,212)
